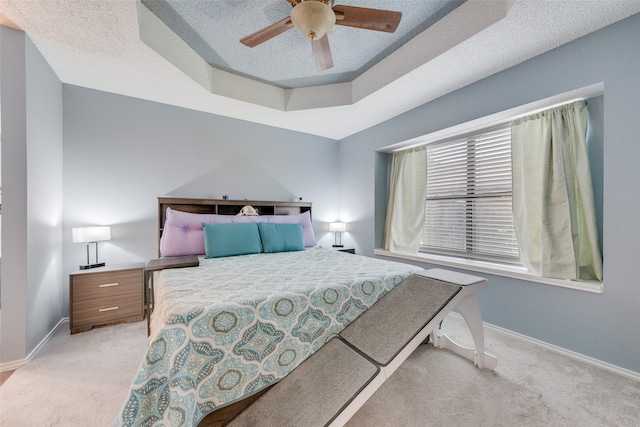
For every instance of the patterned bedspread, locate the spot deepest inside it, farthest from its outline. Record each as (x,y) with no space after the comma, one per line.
(232,326)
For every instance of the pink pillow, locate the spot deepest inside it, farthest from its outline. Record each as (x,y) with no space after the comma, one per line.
(183,235)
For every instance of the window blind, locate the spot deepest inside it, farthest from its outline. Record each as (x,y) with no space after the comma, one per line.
(468,203)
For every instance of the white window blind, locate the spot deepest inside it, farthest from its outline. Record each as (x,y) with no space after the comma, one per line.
(468,207)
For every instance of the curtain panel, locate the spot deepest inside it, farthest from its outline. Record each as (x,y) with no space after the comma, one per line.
(553,205)
(405,209)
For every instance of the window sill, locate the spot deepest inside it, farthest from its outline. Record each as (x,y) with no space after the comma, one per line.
(497,269)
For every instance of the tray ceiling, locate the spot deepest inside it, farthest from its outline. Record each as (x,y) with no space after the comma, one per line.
(121,46)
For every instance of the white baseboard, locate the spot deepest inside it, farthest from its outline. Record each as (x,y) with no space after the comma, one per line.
(627,373)
(15,364)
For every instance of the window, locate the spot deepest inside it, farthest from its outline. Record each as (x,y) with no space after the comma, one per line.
(468,202)
(474,201)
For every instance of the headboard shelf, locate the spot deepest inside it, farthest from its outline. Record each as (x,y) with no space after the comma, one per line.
(226,207)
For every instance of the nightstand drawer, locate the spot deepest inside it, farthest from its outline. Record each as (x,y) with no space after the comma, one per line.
(96,311)
(107,294)
(98,285)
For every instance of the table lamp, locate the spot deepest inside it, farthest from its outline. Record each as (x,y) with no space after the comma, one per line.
(338,228)
(90,235)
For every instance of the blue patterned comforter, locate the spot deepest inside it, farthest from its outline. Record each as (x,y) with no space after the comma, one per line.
(233,326)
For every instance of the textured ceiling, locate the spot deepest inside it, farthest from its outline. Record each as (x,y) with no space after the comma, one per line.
(213,30)
(99,45)
(165,29)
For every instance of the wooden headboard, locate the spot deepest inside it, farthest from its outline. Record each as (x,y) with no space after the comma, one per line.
(225,207)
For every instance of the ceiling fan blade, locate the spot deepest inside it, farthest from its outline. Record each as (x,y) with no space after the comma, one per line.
(369,19)
(322,53)
(267,33)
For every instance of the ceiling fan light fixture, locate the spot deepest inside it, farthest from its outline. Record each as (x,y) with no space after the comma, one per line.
(313,18)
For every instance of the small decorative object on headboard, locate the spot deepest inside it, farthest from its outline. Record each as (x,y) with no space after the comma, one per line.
(248,210)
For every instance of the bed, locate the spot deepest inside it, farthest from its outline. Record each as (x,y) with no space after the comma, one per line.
(225,331)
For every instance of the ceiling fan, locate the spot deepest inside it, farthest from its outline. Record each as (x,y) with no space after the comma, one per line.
(314,18)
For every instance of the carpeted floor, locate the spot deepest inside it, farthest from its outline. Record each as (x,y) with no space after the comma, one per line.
(75,380)
(82,380)
(532,386)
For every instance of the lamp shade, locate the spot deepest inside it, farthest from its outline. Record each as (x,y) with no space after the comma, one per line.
(313,18)
(337,226)
(91,234)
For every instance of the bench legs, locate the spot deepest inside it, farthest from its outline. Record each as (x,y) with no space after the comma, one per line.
(470,311)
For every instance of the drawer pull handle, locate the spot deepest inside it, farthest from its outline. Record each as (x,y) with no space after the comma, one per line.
(108,309)
(106,285)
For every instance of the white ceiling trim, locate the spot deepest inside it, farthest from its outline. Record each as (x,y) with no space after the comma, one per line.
(155,34)
(96,44)
(464,22)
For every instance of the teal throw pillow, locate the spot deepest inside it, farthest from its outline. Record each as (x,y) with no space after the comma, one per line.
(281,237)
(221,240)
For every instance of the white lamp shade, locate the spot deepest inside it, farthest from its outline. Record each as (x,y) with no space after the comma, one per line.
(91,234)
(337,226)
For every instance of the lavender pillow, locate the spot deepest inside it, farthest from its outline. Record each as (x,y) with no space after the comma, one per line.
(183,235)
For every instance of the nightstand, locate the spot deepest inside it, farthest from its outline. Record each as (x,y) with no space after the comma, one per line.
(161,264)
(106,295)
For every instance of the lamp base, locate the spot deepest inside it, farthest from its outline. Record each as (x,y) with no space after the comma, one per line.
(338,246)
(88,266)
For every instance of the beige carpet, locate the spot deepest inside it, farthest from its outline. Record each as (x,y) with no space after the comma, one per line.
(532,386)
(75,380)
(82,380)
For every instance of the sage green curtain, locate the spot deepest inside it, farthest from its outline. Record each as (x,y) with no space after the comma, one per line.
(553,204)
(407,197)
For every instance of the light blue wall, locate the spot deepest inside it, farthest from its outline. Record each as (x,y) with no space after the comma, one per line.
(46,284)
(32,280)
(601,326)
(14,196)
(121,153)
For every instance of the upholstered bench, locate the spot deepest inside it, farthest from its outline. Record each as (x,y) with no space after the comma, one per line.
(332,384)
